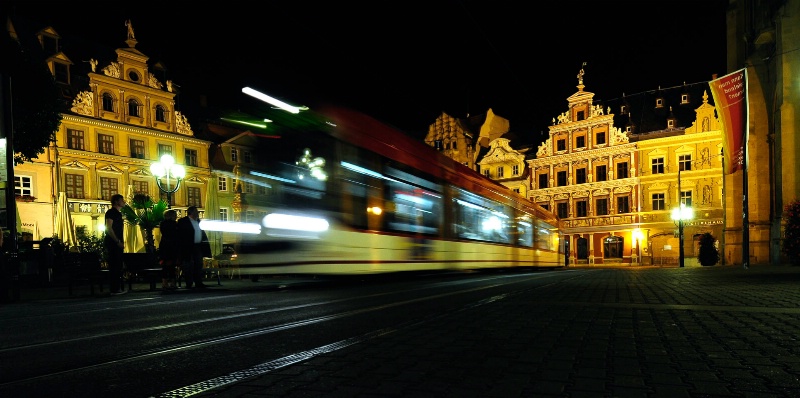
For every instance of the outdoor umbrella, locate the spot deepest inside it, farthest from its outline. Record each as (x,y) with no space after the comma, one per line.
(65,228)
(133,235)
(212,213)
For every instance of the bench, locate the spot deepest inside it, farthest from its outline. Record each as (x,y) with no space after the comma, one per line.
(144,266)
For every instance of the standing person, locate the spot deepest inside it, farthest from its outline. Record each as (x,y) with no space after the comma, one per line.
(191,243)
(169,249)
(114,244)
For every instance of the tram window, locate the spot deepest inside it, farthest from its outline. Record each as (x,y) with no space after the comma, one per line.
(477,218)
(417,202)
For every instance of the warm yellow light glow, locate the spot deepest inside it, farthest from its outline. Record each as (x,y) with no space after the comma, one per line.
(375,210)
(682,213)
(637,234)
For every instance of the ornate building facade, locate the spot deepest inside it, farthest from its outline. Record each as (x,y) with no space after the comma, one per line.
(121,121)
(615,189)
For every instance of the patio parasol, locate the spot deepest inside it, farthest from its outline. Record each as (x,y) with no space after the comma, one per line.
(134,242)
(64,228)
(212,213)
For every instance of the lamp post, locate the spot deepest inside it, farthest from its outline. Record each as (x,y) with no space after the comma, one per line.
(167,168)
(681,214)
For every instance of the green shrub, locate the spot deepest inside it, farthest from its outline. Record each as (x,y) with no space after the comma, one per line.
(791,235)
(709,255)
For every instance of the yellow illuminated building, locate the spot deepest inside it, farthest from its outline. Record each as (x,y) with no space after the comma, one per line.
(119,123)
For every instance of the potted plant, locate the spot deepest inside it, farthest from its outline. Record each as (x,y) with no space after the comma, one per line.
(145,213)
(709,255)
(25,198)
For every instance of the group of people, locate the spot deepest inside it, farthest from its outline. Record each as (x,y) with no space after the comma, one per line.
(183,246)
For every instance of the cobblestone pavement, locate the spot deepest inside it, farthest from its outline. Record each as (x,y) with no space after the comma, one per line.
(720,331)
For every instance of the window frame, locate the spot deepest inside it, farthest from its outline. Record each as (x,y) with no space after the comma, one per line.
(105,144)
(601,207)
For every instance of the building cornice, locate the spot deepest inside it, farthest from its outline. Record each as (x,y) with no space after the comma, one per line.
(133,129)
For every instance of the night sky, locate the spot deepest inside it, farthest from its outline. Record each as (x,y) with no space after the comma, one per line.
(406,62)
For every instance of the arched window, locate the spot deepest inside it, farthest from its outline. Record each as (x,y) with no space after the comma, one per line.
(133,107)
(108,102)
(160,114)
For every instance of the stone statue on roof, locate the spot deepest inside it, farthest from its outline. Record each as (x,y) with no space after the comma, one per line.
(130,30)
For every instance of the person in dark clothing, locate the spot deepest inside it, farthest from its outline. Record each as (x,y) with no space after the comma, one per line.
(114,244)
(169,249)
(193,246)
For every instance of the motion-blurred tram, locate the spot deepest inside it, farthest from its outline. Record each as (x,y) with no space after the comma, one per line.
(344,193)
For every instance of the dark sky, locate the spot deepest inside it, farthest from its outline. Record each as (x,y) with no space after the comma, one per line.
(405,62)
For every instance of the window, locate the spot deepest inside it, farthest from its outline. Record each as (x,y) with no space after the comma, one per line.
(190,157)
(108,102)
(193,196)
(250,216)
(622,205)
(133,107)
(581,208)
(561,210)
(487,173)
(164,149)
(684,98)
(601,207)
(223,214)
(73,185)
(545,206)
(623,110)
(659,102)
(580,142)
(105,144)
(141,187)
(261,190)
(108,186)
(49,44)
(515,170)
(601,173)
(248,187)
(234,155)
(600,138)
(161,114)
(685,162)
(222,183)
(516,190)
(622,170)
(580,176)
(657,166)
(543,181)
(561,176)
(137,149)
(686,198)
(581,115)
(670,123)
(61,72)
(248,158)
(23,185)
(561,145)
(500,172)
(75,139)
(658,201)
(455,144)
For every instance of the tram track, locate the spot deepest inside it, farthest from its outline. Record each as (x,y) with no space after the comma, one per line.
(168,350)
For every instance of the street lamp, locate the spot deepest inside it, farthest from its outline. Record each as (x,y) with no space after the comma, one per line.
(167,168)
(681,214)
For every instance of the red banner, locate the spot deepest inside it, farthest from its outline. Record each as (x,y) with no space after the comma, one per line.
(730,99)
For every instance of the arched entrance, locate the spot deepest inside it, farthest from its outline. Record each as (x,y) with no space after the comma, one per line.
(612,247)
